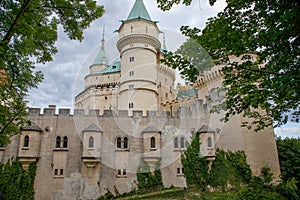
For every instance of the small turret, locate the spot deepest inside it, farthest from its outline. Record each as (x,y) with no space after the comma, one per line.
(99,62)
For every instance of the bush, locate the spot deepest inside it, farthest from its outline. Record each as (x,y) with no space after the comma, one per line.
(288,189)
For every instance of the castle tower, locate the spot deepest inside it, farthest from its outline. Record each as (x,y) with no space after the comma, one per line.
(139,48)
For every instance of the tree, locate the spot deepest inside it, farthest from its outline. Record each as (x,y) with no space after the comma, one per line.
(269,28)
(28,32)
(190,59)
(289,158)
(195,166)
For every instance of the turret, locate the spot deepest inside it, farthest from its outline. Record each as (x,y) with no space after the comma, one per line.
(139,48)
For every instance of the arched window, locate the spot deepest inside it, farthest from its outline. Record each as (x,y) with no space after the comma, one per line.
(182,142)
(26,141)
(152,142)
(209,143)
(176,143)
(125,143)
(119,141)
(91,142)
(65,143)
(58,141)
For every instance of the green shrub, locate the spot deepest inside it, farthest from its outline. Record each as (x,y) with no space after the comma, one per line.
(288,189)
(17,183)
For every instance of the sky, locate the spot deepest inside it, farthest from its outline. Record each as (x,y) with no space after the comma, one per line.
(63,77)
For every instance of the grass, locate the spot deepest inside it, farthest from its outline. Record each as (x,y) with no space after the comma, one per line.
(180,193)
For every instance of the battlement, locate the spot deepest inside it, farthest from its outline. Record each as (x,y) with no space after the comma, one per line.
(208,76)
(192,110)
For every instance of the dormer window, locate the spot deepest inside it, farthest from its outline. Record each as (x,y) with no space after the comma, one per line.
(209,142)
(114,67)
(26,141)
(91,142)
(152,143)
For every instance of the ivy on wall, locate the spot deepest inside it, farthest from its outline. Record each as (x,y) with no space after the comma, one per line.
(15,182)
(146,179)
(195,166)
(229,168)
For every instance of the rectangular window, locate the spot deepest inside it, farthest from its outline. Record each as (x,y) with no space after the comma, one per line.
(119,172)
(131,59)
(178,170)
(56,172)
(182,170)
(130,87)
(130,105)
(131,73)
(61,172)
(124,172)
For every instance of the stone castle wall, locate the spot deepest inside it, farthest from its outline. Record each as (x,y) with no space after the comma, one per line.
(88,173)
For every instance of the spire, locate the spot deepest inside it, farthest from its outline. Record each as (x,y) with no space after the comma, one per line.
(101,56)
(103,40)
(139,11)
(164,46)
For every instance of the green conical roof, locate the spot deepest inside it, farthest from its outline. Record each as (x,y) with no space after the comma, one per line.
(101,54)
(99,58)
(139,11)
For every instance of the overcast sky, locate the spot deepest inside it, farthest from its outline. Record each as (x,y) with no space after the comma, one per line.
(63,77)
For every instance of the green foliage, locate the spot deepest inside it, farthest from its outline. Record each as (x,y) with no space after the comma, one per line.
(289,159)
(252,193)
(266,175)
(146,179)
(288,189)
(271,29)
(195,166)
(229,168)
(17,183)
(107,195)
(28,33)
(190,59)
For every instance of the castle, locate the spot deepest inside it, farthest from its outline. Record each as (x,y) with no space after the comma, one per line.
(129,112)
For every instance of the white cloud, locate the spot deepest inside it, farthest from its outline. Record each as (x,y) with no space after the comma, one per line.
(288,130)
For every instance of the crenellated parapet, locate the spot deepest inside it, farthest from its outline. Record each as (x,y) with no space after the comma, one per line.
(191,110)
(215,74)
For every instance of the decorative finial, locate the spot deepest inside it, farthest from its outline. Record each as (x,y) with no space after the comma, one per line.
(164,42)
(103,40)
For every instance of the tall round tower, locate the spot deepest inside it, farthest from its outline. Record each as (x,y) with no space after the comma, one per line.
(139,47)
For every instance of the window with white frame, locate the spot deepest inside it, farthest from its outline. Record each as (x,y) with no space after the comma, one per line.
(121,173)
